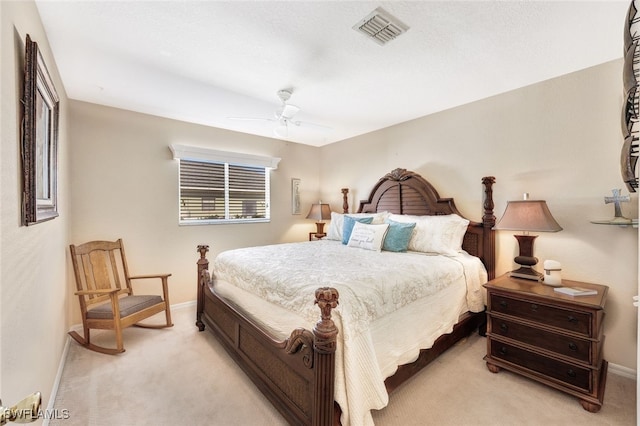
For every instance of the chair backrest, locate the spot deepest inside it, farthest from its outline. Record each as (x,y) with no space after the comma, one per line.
(100,265)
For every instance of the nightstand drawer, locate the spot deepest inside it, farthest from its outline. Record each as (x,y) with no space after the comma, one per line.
(567,373)
(578,349)
(579,322)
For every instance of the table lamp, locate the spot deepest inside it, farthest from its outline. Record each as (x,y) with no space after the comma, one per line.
(319,212)
(527,216)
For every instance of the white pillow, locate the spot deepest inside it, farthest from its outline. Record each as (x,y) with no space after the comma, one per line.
(335,227)
(337,220)
(368,237)
(442,234)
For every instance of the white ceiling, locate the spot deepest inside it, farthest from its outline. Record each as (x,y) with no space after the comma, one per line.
(206,61)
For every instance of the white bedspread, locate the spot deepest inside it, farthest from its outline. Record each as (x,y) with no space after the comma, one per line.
(372,286)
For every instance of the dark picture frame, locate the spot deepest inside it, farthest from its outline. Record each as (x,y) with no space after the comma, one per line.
(39,139)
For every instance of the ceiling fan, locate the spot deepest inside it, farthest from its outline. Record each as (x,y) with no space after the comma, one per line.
(283,116)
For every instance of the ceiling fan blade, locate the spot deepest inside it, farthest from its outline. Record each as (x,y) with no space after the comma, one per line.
(251,119)
(309,124)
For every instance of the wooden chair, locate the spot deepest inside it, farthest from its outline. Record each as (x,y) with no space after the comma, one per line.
(100,269)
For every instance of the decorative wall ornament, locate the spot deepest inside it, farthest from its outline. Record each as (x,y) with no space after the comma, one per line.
(39,140)
(631,108)
(618,219)
(295,196)
(616,199)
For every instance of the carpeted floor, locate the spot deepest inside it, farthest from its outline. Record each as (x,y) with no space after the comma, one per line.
(159,380)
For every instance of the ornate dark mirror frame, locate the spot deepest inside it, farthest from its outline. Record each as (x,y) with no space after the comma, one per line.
(631,108)
(39,140)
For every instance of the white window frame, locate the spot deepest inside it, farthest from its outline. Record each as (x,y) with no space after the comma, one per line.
(204,156)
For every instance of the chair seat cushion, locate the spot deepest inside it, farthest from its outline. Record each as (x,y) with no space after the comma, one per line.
(128,305)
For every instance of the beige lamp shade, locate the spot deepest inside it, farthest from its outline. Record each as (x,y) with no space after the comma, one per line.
(528,215)
(319,212)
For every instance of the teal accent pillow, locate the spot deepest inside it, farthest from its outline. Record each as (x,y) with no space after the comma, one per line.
(347,226)
(398,236)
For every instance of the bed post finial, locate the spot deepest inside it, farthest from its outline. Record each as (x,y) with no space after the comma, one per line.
(203,249)
(488,219)
(203,265)
(345,201)
(325,329)
(324,344)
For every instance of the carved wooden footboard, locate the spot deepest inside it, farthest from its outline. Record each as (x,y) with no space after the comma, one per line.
(296,375)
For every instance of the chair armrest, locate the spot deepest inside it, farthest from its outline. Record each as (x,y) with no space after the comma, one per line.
(165,284)
(98,291)
(150,276)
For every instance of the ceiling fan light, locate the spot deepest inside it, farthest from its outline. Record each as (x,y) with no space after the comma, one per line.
(284,94)
(288,111)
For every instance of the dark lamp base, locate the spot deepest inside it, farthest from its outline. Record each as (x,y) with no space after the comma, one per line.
(526,259)
(319,227)
(527,273)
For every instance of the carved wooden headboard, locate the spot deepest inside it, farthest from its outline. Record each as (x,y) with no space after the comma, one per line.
(406,192)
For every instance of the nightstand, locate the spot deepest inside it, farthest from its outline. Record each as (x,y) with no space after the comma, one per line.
(549,337)
(313,236)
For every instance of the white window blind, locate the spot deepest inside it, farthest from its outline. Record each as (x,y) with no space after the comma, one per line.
(223,192)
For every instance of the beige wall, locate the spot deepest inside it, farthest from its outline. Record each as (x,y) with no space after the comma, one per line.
(125,185)
(33,287)
(560,141)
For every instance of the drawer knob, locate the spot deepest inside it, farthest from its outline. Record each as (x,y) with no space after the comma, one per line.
(573,346)
(504,327)
(503,303)
(534,307)
(571,373)
(503,350)
(571,318)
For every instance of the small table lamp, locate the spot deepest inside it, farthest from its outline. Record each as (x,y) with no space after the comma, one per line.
(319,212)
(528,216)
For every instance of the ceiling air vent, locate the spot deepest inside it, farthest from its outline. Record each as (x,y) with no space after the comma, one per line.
(380,26)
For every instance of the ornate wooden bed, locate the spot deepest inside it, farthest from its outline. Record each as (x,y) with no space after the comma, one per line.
(297,374)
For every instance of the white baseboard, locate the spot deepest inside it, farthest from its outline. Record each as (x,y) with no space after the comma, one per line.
(183,305)
(56,382)
(622,371)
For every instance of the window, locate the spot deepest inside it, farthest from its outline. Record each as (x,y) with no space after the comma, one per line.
(213,190)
